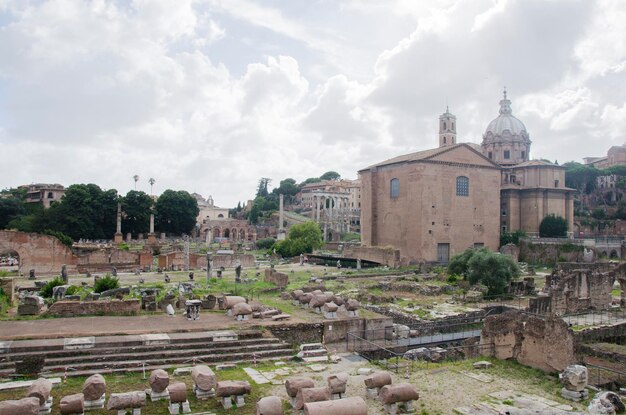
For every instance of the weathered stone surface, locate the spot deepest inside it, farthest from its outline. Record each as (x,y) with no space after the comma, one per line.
(231,300)
(305,298)
(242,309)
(399,392)
(269,405)
(317,301)
(377,380)
(543,343)
(352,305)
(606,403)
(94,387)
(331,307)
(118,401)
(337,383)
(72,404)
(293,385)
(232,387)
(346,406)
(178,392)
(115,291)
(40,389)
(483,364)
(26,406)
(574,378)
(306,395)
(203,377)
(99,307)
(296,294)
(159,379)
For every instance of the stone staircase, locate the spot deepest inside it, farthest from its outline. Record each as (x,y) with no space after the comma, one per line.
(135,353)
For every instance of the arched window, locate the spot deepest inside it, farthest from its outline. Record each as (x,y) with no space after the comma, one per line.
(395,188)
(444,125)
(462,186)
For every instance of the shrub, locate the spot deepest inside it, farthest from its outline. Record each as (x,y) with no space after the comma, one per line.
(65,240)
(553,226)
(106,283)
(265,243)
(72,290)
(123,246)
(46,290)
(452,279)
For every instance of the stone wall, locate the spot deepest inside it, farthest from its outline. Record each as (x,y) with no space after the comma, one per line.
(336,331)
(536,252)
(579,290)
(103,260)
(297,334)
(546,344)
(385,256)
(100,307)
(230,261)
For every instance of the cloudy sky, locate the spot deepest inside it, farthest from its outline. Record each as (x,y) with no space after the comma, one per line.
(211,95)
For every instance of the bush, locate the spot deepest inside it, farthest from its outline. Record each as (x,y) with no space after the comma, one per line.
(46,290)
(481,266)
(553,226)
(265,243)
(106,283)
(123,246)
(72,290)
(65,240)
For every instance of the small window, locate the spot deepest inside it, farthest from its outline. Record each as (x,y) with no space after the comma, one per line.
(452,126)
(507,154)
(462,186)
(478,245)
(50,195)
(444,140)
(556,183)
(220,215)
(395,188)
(444,125)
(490,155)
(523,155)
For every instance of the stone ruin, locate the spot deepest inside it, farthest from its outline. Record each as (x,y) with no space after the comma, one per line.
(398,397)
(574,379)
(543,343)
(232,391)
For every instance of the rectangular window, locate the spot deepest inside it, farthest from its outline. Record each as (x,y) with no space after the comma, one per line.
(523,155)
(490,155)
(507,154)
(478,245)
(462,186)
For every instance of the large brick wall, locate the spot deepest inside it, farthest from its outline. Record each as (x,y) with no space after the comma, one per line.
(385,256)
(100,307)
(43,253)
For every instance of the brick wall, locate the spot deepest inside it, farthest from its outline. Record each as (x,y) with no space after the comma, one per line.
(104,307)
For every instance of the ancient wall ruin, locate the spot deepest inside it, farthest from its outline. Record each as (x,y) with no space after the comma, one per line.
(99,307)
(543,343)
(43,253)
(385,256)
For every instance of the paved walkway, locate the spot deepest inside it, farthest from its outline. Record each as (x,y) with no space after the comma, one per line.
(117,325)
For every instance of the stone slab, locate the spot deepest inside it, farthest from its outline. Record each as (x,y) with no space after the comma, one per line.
(5,346)
(225,366)
(316,359)
(256,376)
(22,384)
(482,377)
(155,339)
(180,371)
(79,343)
(223,335)
(318,368)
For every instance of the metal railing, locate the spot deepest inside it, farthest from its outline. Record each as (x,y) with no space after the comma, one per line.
(605,377)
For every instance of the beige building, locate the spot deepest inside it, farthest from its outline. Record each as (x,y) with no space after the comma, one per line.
(44,193)
(614,157)
(208,210)
(436,203)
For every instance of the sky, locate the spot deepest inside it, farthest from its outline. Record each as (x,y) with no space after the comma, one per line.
(209,96)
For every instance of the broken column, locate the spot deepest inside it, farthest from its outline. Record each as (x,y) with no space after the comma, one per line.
(72,404)
(293,385)
(94,390)
(317,302)
(375,381)
(352,306)
(242,311)
(178,398)
(203,381)
(193,309)
(127,402)
(346,406)
(25,406)
(230,301)
(337,384)
(230,391)
(398,396)
(330,310)
(159,380)
(269,405)
(574,380)
(306,395)
(40,389)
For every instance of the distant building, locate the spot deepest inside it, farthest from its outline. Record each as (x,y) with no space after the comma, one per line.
(614,157)
(208,210)
(436,203)
(43,193)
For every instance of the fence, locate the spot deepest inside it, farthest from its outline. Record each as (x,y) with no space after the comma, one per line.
(605,377)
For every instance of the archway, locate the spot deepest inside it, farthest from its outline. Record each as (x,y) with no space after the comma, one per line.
(233,233)
(613,254)
(9,260)
(217,233)
(227,233)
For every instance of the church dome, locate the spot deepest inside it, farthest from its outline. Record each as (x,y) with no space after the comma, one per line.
(506,122)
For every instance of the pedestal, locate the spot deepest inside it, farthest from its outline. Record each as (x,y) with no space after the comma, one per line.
(157,396)
(242,317)
(227,402)
(332,314)
(240,401)
(372,393)
(152,239)
(46,408)
(118,238)
(391,409)
(202,394)
(353,313)
(97,404)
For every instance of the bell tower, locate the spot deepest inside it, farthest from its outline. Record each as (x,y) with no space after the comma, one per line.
(447,129)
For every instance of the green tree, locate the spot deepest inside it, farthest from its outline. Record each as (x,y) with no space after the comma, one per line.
(309,181)
(511,237)
(302,238)
(136,206)
(176,212)
(330,175)
(553,226)
(11,208)
(491,269)
(261,190)
(458,263)
(581,177)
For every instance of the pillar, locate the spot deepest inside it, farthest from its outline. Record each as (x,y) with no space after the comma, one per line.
(118,238)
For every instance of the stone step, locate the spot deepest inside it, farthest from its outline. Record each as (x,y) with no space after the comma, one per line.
(85,352)
(137,365)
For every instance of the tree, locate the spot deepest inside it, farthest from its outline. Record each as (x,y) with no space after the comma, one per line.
(553,226)
(511,237)
(152,182)
(136,206)
(581,177)
(491,269)
(262,187)
(309,181)
(302,238)
(288,188)
(11,208)
(330,175)
(176,212)
(136,179)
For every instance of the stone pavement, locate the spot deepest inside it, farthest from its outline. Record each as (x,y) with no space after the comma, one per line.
(117,325)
